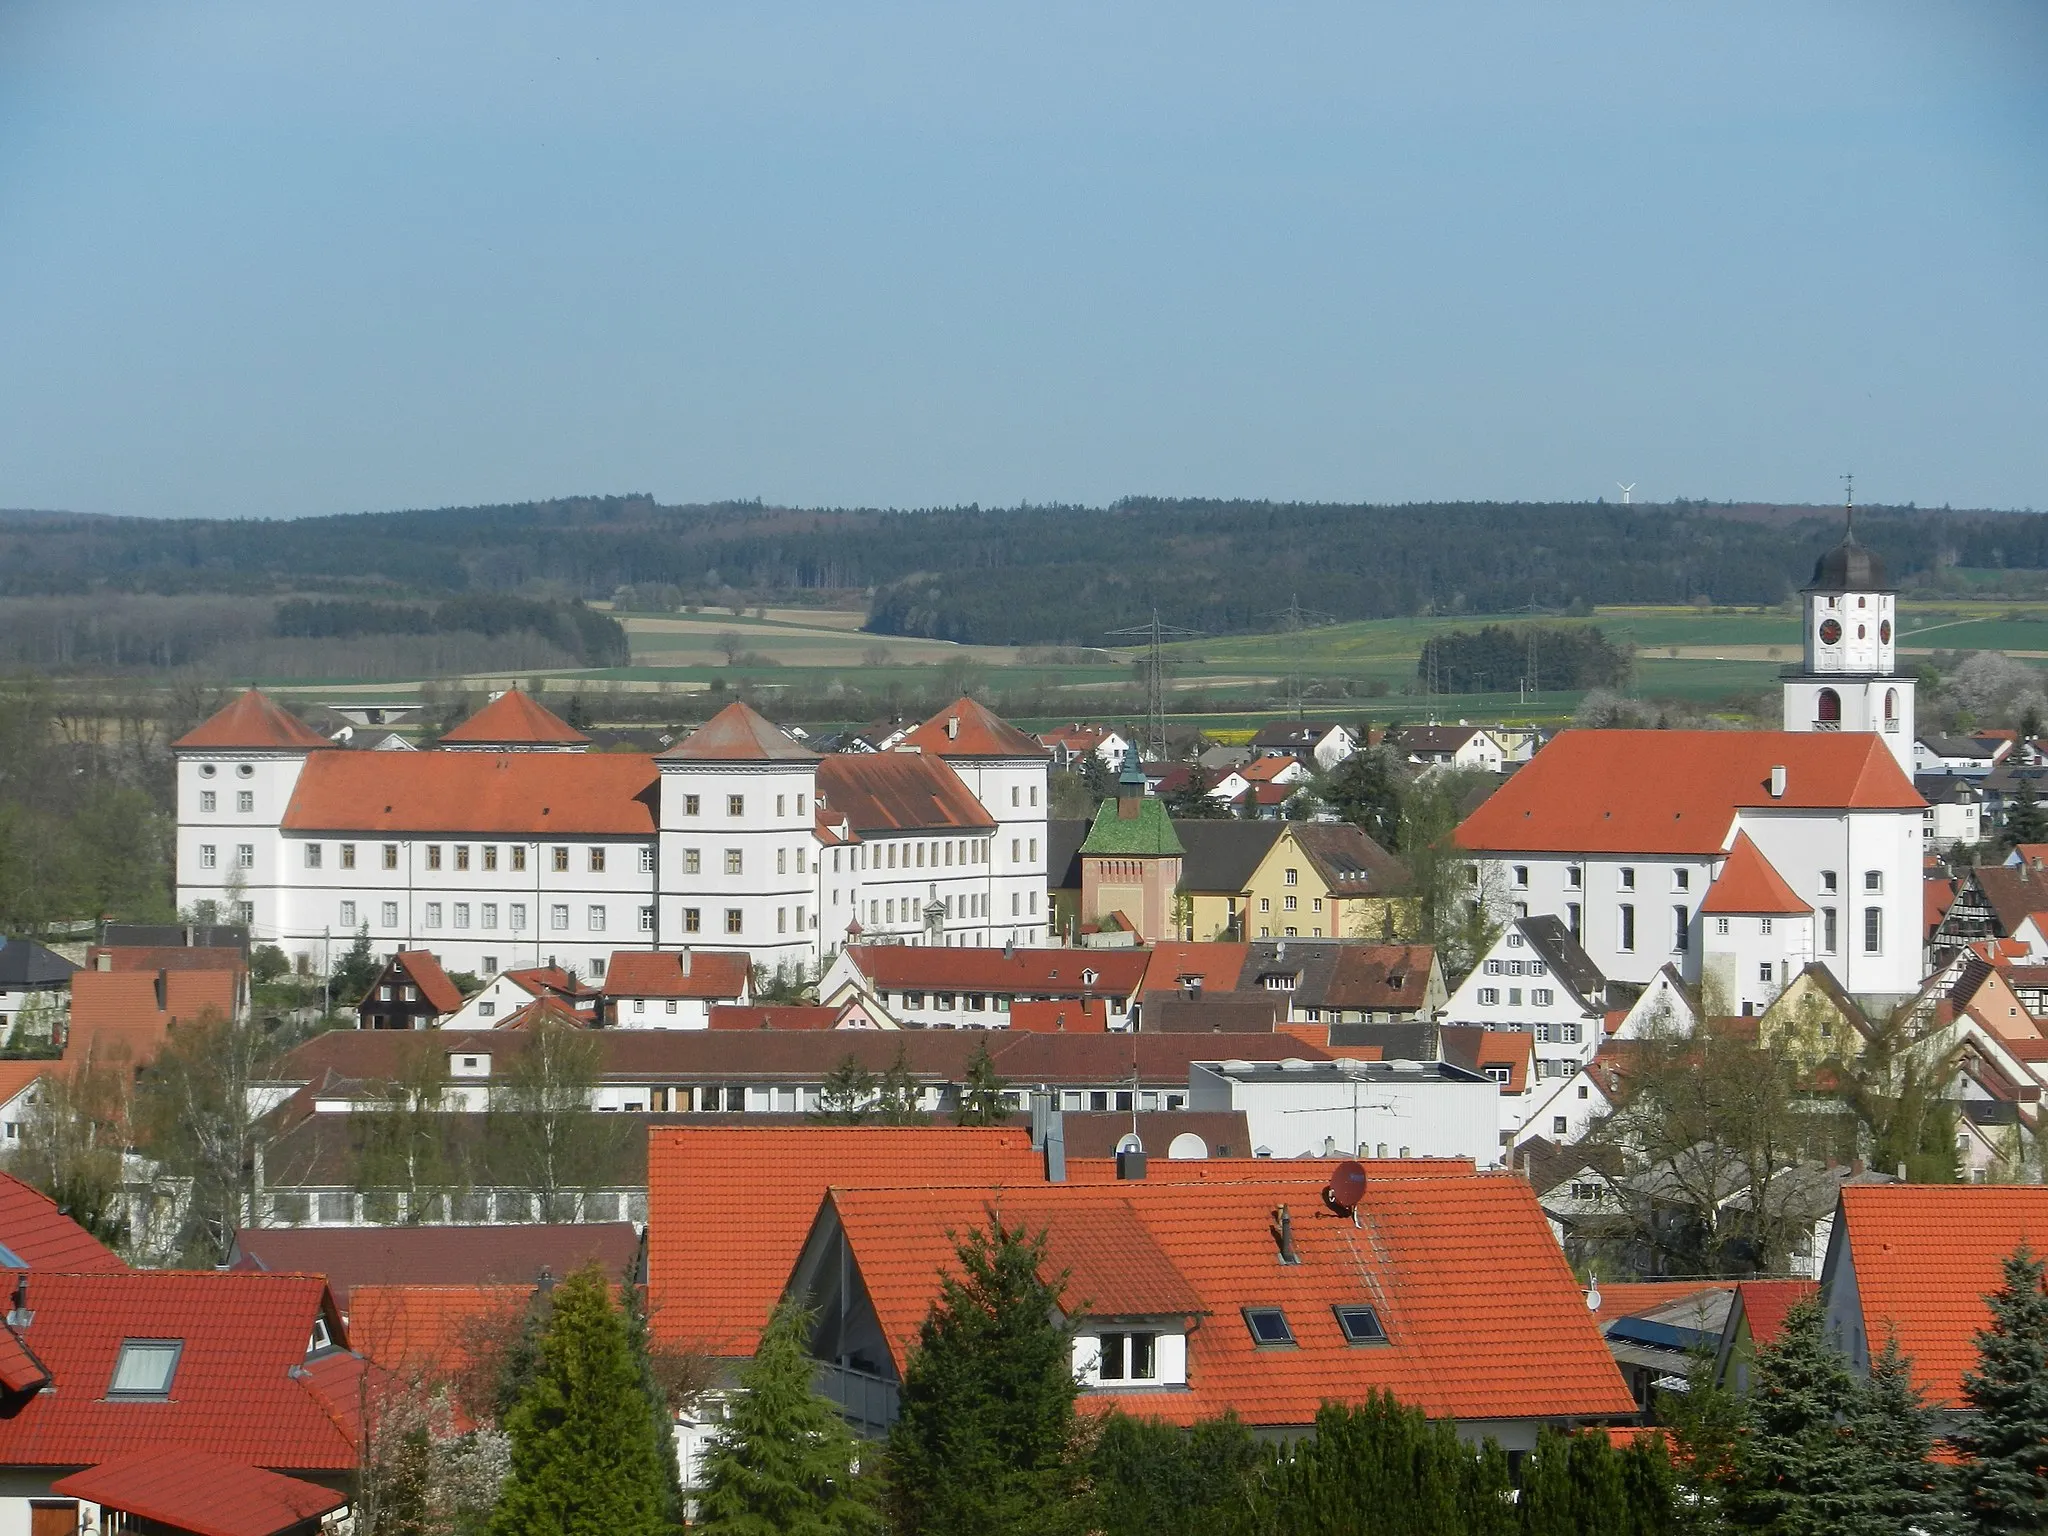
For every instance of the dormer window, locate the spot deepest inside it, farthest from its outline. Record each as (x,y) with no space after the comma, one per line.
(321,1338)
(1269,1327)
(145,1368)
(1361,1325)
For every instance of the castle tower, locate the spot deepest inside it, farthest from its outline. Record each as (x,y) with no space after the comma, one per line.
(1849,680)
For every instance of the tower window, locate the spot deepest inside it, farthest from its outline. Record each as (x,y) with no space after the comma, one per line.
(1828,707)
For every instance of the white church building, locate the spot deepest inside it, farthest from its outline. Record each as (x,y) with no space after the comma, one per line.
(511,844)
(1729,853)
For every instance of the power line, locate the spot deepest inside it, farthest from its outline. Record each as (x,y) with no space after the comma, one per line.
(1293,620)
(1153,634)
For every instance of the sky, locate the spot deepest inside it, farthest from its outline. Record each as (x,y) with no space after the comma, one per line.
(278,259)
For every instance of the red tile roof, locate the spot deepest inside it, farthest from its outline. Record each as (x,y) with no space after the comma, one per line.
(529,794)
(880,792)
(163,957)
(251,721)
(1925,1257)
(728,1208)
(1049,972)
(1484,1319)
(39,1236)
(353,1258)
(1160,1169)
(422,967)
(1074,1015)
(1477,1049)
(544,1009)
(735,1016)
(967,729)
(1764,1304)
(709,973)
(1936,897)
(429,1333)
(737,733)
(512,719)
(113,1012)
(1216,964)
(1677,791)
(1748,883)
(199,1492)
(236,1392)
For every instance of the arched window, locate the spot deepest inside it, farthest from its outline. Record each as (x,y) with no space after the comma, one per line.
(1891,703)
(1830,707)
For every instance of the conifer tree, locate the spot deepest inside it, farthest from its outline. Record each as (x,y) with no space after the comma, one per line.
(982,1100)
(985,1439)
(1150,1477)
(898,1094)
(586,1454)
(1799,1470)
(847,1095)
(1895,1429)
(2005,1475)
(783,1465)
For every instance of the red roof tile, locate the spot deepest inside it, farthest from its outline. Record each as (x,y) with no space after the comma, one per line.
(512,719)
(1764,1304)
(532,794)
(720,974)
(548,1008)
(1049,972)
(1160,1169)
(735,1016)
(737,733)
(1936,897)
(1483,1317)
(116,1012)
(202,1493)
(251,721)
(728,1208)
(1677,791)
(881,792)
(1169,962)
(1477,1049)
(1925,1257)
(20,1370)
(1748,883)
(1074,1015)
(422,967)
(429,1333)
(967,729)
(354,1258)
(235,1392)
(38,1236)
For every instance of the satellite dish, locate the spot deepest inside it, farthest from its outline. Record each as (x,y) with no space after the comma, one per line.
(1186,1147)
(1346,1187)
(1129,1142)
(1593,1298)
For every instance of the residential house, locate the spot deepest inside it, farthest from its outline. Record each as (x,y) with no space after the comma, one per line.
(1969,757)
(1326,982)
(1218,860)
(1955,811)
(411,992)
(1506,1058)
(1316,744)
(656,989)
(924,988)
(352,1257)
(1536,979)
(1756,1316)
(1655,1329)
(34,978)
(506,993)
(129,1014)
(1449,746)
(1319,879)
(1069,745)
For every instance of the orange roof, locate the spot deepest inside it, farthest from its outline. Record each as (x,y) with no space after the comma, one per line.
(531,794)
(1925,1256)
(1764,1304)
(737,733)
(1261,770)
(1053,972)
(117,1011)
(1074,1015)
(967,729)
(1483,1317)
(728,1208)
(1747,883)
(896,792)
(1677,791)
(422,967)
(774,1016)
(1216,964)
(428,1333)
(196,1491)
(1936,897)
(661,973)
(548,1008)
(1477,1049)
(251,721)
(17,1075)
(34,1234)
(512,718)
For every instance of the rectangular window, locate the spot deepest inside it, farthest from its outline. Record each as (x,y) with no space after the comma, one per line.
(1521,877)
(490,856)
(462,914)
(594,919)
(391,855)
(692,805)
(1293,877)
(245,911)
(348,914)
(647,919)
(433,915)
(647,861)
(515,917)
(1015,845)
(313,855)
(1763,972)
(799,804)
(1873,930)
(558,917)
(561,860)
(462,855)
(245,855)
(1574,918)
(433,855)
(1763,925)
(1031,846)
(1110,1361)
(597,861)
(1268,1327)
(1827,881)
(693,861)
(1873,880)
(145,1368)
(1361,1325)
(388,914)
(1681,879)
(1829,937)
(1628,879)
(800,919)
(734,920)
(735,805)
(1721,926)
(1543,1034)
(348,855)
(1489,996)
(782,919)
(209,856)
(733,861)
(206,800)
(780,800)
(1569,1034)
(800,868)
(693,920)
(518,858)
(1681,928)
(1627,940)
(1290,902)
(245,801)
(1574,877)
(1542,997)
(782,861)
(1515,998)
(487,917)
(1497,968)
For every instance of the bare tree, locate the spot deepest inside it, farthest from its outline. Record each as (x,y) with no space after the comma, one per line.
(545,1135)
(195,1116)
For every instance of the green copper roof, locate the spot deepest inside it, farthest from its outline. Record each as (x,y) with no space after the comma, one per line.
(1150,832)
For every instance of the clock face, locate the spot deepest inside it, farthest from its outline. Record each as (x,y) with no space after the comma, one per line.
(1884,631)
(1830,632)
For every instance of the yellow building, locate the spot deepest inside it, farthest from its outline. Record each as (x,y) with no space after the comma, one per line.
(1327,880)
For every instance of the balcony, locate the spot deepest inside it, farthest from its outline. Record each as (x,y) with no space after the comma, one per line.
(1827,725)
(867,1403)
(1891,727)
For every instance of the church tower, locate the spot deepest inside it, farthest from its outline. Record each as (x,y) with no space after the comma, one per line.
(1849,680)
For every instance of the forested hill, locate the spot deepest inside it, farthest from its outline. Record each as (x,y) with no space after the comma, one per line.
(1024,575)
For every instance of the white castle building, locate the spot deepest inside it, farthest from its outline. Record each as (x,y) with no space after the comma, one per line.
(1736,856)
(512,844)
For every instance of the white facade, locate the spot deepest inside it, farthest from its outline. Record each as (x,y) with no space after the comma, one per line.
(1749,958)
(1355,1108)
(1512,988)
(1849,682)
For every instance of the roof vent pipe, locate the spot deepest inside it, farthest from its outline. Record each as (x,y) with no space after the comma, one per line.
(1283,1236)
(1778,782)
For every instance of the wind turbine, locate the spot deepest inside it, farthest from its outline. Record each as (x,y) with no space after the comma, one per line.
(1626,500)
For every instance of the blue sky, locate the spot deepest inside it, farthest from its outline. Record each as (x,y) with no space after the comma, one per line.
(277,259)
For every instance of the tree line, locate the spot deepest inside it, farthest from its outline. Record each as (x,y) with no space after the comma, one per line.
(594,639)
(1501,656)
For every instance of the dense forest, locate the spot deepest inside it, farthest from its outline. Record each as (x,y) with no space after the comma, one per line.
(1502,656)
(1028,575)
(592,638)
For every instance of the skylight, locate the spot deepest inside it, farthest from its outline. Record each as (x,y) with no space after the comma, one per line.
(1269,1327)
(145,1368)
(1361,1325)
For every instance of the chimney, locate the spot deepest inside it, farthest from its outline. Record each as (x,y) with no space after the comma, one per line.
(1283,1236)
(1778,782)
(686,959)
(1055,1148)
(19,1315)
(1130,1164)
(103,961)
(952,727)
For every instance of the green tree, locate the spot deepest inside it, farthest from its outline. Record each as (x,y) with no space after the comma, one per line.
(1452,906)
(847,1096)
(587,1457)
(2025,821)
(195,1116)
(1415,1476)
(899,1096)
(784,1462)
(544,1134)
(351,978)
(1704,1426)
(1193,802)
(1150,1477)
(2004,1477)
(1800,1471)
(1896,1429)
(72,1140)
(1366,790)
(403,1151)
(983,1096)
(986,1438)
(267,963)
